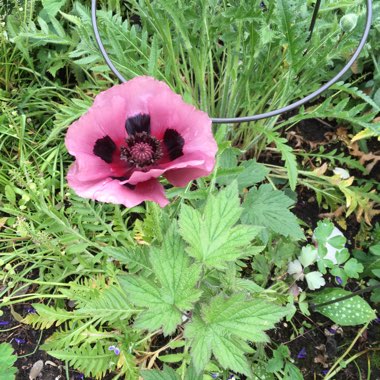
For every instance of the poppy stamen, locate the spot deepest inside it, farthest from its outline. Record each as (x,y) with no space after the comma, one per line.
(142,150)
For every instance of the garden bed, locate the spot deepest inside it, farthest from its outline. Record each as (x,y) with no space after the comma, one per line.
(141,238)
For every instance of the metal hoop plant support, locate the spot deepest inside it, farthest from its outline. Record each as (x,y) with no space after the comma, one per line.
(276,112)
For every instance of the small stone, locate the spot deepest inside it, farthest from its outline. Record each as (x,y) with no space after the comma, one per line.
(36,370)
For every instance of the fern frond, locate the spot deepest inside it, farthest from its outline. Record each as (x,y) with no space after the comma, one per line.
(85,291)
(111,306)
(287,155)
(334,157)
(76,333)
(48,316)
(285,14)
(341,111)
(94,360)
(355,92)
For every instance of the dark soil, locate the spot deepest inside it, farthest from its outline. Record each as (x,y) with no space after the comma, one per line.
(26,342)
(316,349)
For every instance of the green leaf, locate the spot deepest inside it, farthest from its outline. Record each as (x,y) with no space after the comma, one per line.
(213,236)
(167,374)
(48,316)
(111,305)
(171,358)
(7,359)
(375,250)
(253,173)
(267,207)
(323,231)
(286,16)
(342,256)
(171,292)
(277,362)
(337,241)
(292,372)
(10,194)
(352,268)
(375,296)
(94,360)
(248,173)
(53,6)
(287,155)
(351,312)
(308,255)
(315,280)
(376,272)
(339,272)
(223,327)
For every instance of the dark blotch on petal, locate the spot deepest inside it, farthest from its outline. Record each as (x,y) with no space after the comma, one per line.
(174,143)
(124,178)
(138,124)
(130,186)
(104,148)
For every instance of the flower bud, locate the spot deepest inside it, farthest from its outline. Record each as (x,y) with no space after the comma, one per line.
(348,22)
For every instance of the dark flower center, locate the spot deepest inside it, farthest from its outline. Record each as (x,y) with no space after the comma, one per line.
(142,150)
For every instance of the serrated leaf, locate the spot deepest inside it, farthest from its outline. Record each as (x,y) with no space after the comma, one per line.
(224,326)
(91,360)
(7,359)
(277,362)
(287,155)
(351,312)
(172,291)
(247,174)
(167,374)
(213,236)
(48,316)
(267,207)
(73,19)
(52,6)
(292,372)
(230,352)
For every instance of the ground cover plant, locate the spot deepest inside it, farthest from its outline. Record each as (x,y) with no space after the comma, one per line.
(241,274)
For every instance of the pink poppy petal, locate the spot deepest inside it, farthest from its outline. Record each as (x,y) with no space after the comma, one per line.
(111,191)
(169,111)
(194,127)
(111,118)
(181,177)
(137,94)
(82,135)
(181,174)
(89,168)
(194,160)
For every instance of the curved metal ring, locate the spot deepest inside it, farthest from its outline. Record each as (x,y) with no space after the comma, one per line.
(266,114)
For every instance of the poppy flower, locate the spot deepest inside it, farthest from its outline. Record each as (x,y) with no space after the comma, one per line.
(134,133)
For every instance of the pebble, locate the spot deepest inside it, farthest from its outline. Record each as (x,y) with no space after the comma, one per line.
(36,369)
